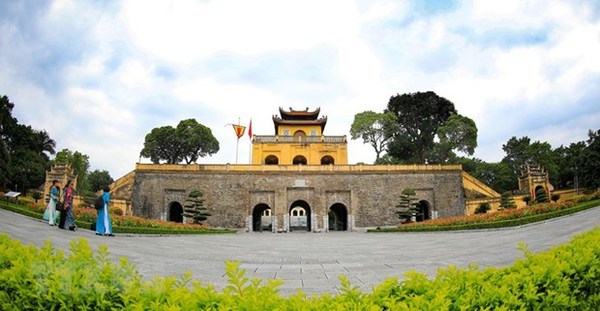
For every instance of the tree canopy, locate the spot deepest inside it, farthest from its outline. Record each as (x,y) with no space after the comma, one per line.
(97,179)
(23,151)
(374,129)
(419,117)
(187,142)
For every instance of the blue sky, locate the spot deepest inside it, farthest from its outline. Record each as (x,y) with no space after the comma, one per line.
(98,76)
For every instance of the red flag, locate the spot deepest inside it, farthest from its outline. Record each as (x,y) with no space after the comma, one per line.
(250,129)
(239,130)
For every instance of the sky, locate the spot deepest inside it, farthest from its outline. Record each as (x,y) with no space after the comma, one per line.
(100,75)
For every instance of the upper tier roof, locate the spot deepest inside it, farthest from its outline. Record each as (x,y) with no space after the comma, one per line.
(299,114)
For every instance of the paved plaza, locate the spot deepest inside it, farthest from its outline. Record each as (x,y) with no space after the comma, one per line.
(313,261)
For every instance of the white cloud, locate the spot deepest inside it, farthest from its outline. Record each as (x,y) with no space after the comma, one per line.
(115,71)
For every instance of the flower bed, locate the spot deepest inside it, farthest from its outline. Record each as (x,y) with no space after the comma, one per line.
(504,218)
(85,216)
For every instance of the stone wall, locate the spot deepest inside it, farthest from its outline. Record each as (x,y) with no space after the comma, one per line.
(370,196)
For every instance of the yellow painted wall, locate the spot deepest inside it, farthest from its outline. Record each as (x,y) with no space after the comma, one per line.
(305,128)
(312,151)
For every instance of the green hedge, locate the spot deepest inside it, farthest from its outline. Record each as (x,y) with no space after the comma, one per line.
(496,224)
(565,278)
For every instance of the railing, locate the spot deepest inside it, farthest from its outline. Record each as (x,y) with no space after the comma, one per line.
(296,168)
(299,139)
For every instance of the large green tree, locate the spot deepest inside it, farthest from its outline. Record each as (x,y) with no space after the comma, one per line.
(23,158)
(418,117)
(498,176)
(195,140)
(80,163)
(458,133)
(520,151)
(590,161)
(98,179)
(374,129)
(189,141)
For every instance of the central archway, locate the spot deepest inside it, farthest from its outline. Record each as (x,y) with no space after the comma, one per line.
(299,159)
(338,217)
(261,218)
(175,212)
(300,216)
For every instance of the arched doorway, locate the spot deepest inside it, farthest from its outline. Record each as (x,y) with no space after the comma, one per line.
(299,159)
(423,207)
(338,217)
(326,160)
(261,218)
(299,133)
(175,212)
(271,160)
(300,216)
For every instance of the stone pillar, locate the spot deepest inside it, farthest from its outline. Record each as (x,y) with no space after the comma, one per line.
(274,224)
(326,223)
(286,223)
(314,223)
(249,223)
(350,223)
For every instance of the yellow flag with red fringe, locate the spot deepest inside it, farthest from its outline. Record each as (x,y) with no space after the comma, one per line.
(239,130)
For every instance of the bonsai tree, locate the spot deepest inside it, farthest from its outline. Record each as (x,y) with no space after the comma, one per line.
(506,200)
(483,208)
(527,199)
(36,195)
(540,195)
(407,208)
(194,208)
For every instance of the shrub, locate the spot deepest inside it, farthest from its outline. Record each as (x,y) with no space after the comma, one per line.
(483,208)
(541,196)
(506,200)
(527,199)
(115,211)
(36,195)
(555,197)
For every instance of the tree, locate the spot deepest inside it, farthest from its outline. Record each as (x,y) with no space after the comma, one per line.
(80,164)
(196,140)
(521,151)
(506,200)
(407,208)
(418,117)
(43,142)
(498,176)
(189,141)
(590,161)
(374,129)
(194,208)
(458,133)
(98,179)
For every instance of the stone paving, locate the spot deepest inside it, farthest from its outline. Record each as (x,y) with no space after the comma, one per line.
(313,261)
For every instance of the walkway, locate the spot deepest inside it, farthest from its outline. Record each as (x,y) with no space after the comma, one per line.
(313,261)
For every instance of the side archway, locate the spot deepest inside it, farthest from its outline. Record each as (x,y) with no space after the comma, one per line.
(271,160)
(175,212)
(299,159)
(327,160)
(300,215)
(261,218)
(424,210)
(338,217)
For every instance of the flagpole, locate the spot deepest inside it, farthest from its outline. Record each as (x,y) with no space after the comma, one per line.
(237,144)
(250,149)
